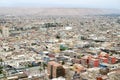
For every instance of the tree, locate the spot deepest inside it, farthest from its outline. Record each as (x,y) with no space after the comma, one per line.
(0,31)
(58,36)
(44,65)
(63,47)
(1,61)
(1,69)
(83,38)
(63,62)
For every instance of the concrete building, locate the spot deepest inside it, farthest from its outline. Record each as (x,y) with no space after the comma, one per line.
(55,70)
(5,31)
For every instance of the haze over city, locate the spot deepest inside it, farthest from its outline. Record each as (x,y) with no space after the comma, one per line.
(105,4)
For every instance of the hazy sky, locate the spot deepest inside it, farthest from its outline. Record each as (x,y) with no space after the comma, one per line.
(109,4)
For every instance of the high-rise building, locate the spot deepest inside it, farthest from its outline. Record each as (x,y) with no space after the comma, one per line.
(55,70)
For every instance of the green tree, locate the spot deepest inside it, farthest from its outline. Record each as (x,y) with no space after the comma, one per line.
(1,61)
(63,62)
(58,36)
(1,69)
(44,65)
(0,31)
(63,47)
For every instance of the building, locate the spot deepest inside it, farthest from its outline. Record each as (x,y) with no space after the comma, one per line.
(5,31)
(55,70)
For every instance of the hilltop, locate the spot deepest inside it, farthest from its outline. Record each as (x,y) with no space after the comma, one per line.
(57,11)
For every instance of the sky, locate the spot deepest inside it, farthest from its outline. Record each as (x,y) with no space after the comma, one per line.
(106,4)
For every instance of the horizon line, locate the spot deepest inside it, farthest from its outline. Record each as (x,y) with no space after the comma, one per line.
(60,7)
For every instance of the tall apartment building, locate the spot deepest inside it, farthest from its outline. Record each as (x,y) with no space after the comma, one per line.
(55,70)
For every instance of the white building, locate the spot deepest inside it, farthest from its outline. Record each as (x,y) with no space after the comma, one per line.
(59,78)
(5,32)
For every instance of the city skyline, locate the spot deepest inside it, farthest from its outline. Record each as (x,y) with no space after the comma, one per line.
(104,4)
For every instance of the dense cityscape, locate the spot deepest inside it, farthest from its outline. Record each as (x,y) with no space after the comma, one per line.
(59,47)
